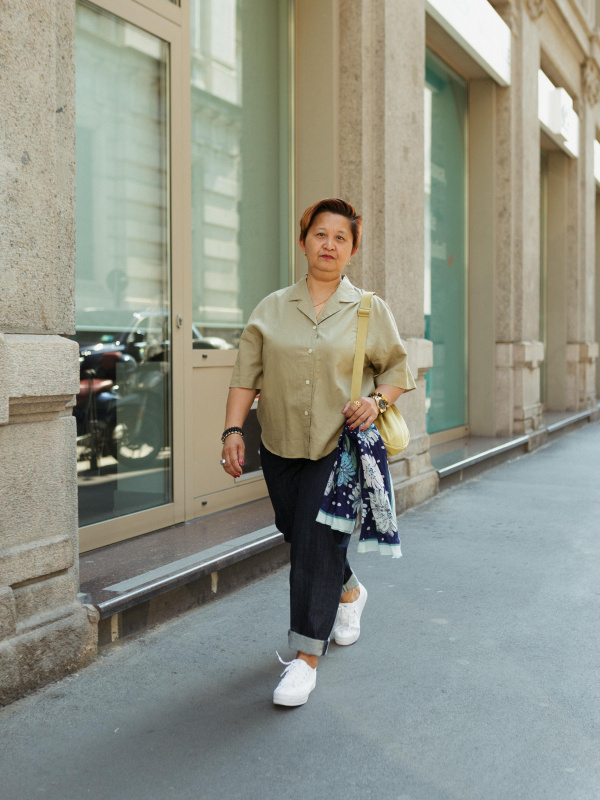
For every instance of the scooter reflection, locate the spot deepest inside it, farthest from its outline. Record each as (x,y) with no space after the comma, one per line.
(141,419)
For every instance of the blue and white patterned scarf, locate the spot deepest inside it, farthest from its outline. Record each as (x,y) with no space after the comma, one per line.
(360,482)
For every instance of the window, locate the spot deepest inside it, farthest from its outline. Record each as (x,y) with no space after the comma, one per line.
(122,268)
(445,245)
(240,186)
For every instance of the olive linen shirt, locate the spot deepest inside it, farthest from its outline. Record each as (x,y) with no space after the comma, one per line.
(303,365)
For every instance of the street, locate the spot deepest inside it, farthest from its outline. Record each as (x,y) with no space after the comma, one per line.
(476,676)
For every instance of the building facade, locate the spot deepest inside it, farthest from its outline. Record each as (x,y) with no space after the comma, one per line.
(156,157)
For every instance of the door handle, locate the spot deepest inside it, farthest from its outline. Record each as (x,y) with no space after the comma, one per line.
(179,320)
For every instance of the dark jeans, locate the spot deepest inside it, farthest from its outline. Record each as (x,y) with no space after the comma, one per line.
(320,572)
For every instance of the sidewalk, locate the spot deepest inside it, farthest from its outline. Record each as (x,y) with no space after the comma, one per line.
(476,676)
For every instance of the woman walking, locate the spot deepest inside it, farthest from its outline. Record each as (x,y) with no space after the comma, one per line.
(298,350)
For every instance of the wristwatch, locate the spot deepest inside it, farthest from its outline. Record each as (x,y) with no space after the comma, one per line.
(382,402)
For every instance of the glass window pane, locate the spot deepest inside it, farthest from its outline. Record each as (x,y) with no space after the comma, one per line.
(240,205)
(445,245)
(122,268)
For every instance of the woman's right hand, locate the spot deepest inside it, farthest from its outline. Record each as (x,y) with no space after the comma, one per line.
(233,453)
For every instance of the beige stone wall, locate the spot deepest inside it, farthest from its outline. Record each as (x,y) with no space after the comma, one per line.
(377,97)
(381,167)
(569,55)
(516,245)
(482,257)
(44,631)
(597,288)
(504,228)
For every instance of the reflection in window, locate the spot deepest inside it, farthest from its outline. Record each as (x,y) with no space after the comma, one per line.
(122,268)
(240,204)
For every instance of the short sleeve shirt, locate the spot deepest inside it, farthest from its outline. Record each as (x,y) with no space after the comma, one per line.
(303,365)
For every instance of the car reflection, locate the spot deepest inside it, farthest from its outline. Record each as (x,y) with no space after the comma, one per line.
(123,409)
(123,402)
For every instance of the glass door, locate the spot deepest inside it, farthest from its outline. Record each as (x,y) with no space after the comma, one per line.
(124,289)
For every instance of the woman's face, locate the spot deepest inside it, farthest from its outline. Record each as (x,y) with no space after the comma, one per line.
(328,245)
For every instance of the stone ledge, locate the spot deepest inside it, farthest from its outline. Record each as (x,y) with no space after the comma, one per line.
(128,594)
(529,411)
(39,409)
(528,355)
(35,559)
(572,419)
(44,618)
(582,352)
(493,454)
(37,366)
(40,596)
(154,610)
(519,355)
(485,455)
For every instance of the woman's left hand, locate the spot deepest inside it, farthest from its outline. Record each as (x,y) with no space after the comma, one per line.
(363,415)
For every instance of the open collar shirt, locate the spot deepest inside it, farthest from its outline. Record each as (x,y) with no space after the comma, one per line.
(303,365)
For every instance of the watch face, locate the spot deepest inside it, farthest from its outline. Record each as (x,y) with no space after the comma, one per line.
(382,404)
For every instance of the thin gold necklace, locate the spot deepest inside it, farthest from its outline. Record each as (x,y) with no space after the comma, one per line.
(316,305)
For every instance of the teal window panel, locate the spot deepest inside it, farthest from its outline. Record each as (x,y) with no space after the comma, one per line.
(446,107)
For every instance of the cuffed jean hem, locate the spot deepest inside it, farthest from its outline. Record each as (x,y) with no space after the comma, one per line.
(351,583)
(312,647)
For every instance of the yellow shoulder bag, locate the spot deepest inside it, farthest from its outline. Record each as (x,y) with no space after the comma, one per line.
(391,425)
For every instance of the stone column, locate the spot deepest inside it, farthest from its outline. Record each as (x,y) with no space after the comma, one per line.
(517,255)
(381,168)
(44,631)
(597,292)
(581,348)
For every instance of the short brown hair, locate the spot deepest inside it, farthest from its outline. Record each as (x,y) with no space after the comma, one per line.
(335,206)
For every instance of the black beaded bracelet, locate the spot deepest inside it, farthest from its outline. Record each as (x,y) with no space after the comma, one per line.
(226,433)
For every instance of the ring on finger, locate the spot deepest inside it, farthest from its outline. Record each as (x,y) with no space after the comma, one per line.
(222,462)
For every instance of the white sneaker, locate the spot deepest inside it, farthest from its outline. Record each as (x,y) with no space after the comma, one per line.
(346,629)
(297,682)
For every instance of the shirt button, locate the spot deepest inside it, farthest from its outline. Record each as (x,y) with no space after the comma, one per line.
(314,327)
(310,350)
(306,412)
(308,381)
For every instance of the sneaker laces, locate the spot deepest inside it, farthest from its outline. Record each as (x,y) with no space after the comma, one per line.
(293,676)
(346,614)
(286,663)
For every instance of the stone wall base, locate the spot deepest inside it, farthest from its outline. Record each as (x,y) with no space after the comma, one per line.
(414,479)
(413,491)
(517,391)
(581,375)
(48,651)
(45,632)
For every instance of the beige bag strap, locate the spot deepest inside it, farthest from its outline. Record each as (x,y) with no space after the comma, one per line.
(364,312)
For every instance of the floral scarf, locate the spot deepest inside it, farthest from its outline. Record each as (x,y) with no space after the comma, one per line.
(360,482)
